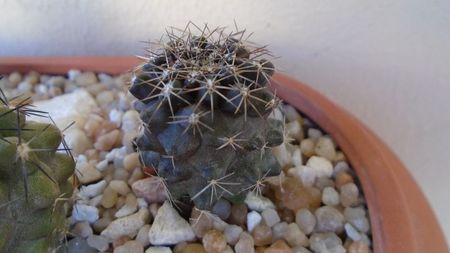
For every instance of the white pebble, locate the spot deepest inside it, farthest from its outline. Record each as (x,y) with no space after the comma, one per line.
(352,232)
(130,206)
(128,225)
(115,116)
(305,174)
(330,196)
(329,219)
(158,250)
(83,212)
(314,133)
(322,166)
(105,78)
(232,233)
(162,231)
(72,74)
(24,87)
(92,190)
(341,166)
(282,155)
(96,201)
(258,203)
(142,235)
(326,242)
(278,231)
(253,219)
(98,242)
(102,165)
(131,121)
(297,159)
(294,130)
(270,217)
(305,220)
(300,249)
(142,203)
(291,113)
(357,217)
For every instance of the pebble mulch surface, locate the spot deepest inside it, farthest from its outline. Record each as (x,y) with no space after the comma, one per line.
(314,205)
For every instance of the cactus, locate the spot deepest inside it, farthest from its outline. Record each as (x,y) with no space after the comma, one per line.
(33,177)
(209,118)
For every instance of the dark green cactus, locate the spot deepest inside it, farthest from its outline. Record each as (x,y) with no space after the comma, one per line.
(33,178)
(208,115)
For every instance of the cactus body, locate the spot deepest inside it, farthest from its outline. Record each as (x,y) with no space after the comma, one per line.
(208,116)
(32,177)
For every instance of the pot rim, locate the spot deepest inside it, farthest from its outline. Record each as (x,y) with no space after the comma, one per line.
(387,185)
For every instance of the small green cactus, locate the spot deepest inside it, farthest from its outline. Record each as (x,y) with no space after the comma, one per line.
(209,117)
(33,178)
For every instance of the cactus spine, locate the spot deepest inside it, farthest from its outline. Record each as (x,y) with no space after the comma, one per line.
(210,120)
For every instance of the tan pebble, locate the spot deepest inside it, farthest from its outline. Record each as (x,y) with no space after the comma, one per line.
(245,244)
(33,77)
(194,248)
(260,249)
(135,176)
(343,178)
(307,147)
(296,196)
(109,198)
(121,241)
(107,141)
(105,97)
(101,224)
(294,236)
(339,157)
(227,249)
(262,235)
(120,187)
(325,148)
(154,209)
(349,195)
(214,241)
(201,222)
(179,247)
(120,202)
(92,125)
(279,247)
(131,161)
(106,127)
(95,89)
(92,154)
(358,247)
(238,214)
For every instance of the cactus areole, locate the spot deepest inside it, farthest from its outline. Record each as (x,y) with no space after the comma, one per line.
(209,118)
(33,180)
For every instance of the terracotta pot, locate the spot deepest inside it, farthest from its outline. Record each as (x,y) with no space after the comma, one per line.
(401,218)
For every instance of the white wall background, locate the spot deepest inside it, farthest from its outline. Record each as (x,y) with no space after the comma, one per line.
(386,61)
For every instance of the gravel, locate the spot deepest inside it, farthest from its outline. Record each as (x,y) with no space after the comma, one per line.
(117,207)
